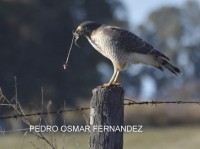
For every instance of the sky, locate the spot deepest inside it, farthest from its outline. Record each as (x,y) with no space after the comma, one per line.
(138,10)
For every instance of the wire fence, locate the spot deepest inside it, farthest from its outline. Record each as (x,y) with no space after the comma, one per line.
(18,112)
(129,103)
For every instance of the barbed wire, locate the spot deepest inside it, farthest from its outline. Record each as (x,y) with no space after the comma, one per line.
(15,116)
(3,131)
(157,102)
(129,103)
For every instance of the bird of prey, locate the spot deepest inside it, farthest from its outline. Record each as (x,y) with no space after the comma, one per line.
(122,48)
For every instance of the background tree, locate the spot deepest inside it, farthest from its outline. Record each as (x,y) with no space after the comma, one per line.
(34,38)
(175,32)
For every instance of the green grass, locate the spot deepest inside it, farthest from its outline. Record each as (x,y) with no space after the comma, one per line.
(151,138)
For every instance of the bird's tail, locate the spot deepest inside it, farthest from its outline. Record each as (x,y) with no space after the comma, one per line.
(163,63)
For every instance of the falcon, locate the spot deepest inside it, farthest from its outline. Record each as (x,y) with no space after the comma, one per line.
(122,48)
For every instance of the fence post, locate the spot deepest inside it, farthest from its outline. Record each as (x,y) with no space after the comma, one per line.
(106,109)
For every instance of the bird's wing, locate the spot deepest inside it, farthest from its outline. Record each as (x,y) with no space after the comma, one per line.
(131,42)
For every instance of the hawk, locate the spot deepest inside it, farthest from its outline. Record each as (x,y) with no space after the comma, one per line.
(122,48)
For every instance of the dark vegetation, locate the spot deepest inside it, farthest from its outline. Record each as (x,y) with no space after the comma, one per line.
(35,36)
(34,39)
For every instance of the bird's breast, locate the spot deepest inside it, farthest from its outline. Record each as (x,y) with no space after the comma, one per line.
(107,46)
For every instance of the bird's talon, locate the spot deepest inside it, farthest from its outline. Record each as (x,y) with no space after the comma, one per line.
(117,84)
(111,84)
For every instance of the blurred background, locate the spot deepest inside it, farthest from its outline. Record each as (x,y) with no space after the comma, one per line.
(35,37)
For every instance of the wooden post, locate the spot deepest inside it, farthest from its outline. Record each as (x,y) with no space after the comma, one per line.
(106,109)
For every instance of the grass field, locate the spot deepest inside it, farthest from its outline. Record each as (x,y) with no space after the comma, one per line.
(151,138)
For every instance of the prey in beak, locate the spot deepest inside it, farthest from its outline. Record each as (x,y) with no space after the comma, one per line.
(76,37)
(82,30)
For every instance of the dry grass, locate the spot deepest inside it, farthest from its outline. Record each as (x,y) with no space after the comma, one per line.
(162,115)
(165,138)
(151,138)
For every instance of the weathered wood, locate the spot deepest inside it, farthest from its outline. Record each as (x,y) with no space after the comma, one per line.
(106,109)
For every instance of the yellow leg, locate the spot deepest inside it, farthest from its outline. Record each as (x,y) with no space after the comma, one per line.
(116,77)
(113,78)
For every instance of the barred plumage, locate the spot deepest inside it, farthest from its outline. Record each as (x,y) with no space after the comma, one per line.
(122,48)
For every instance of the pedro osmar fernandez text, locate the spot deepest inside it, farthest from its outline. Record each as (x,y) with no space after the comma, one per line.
(86,128)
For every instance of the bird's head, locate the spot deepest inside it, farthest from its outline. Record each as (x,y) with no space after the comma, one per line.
(86,28)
